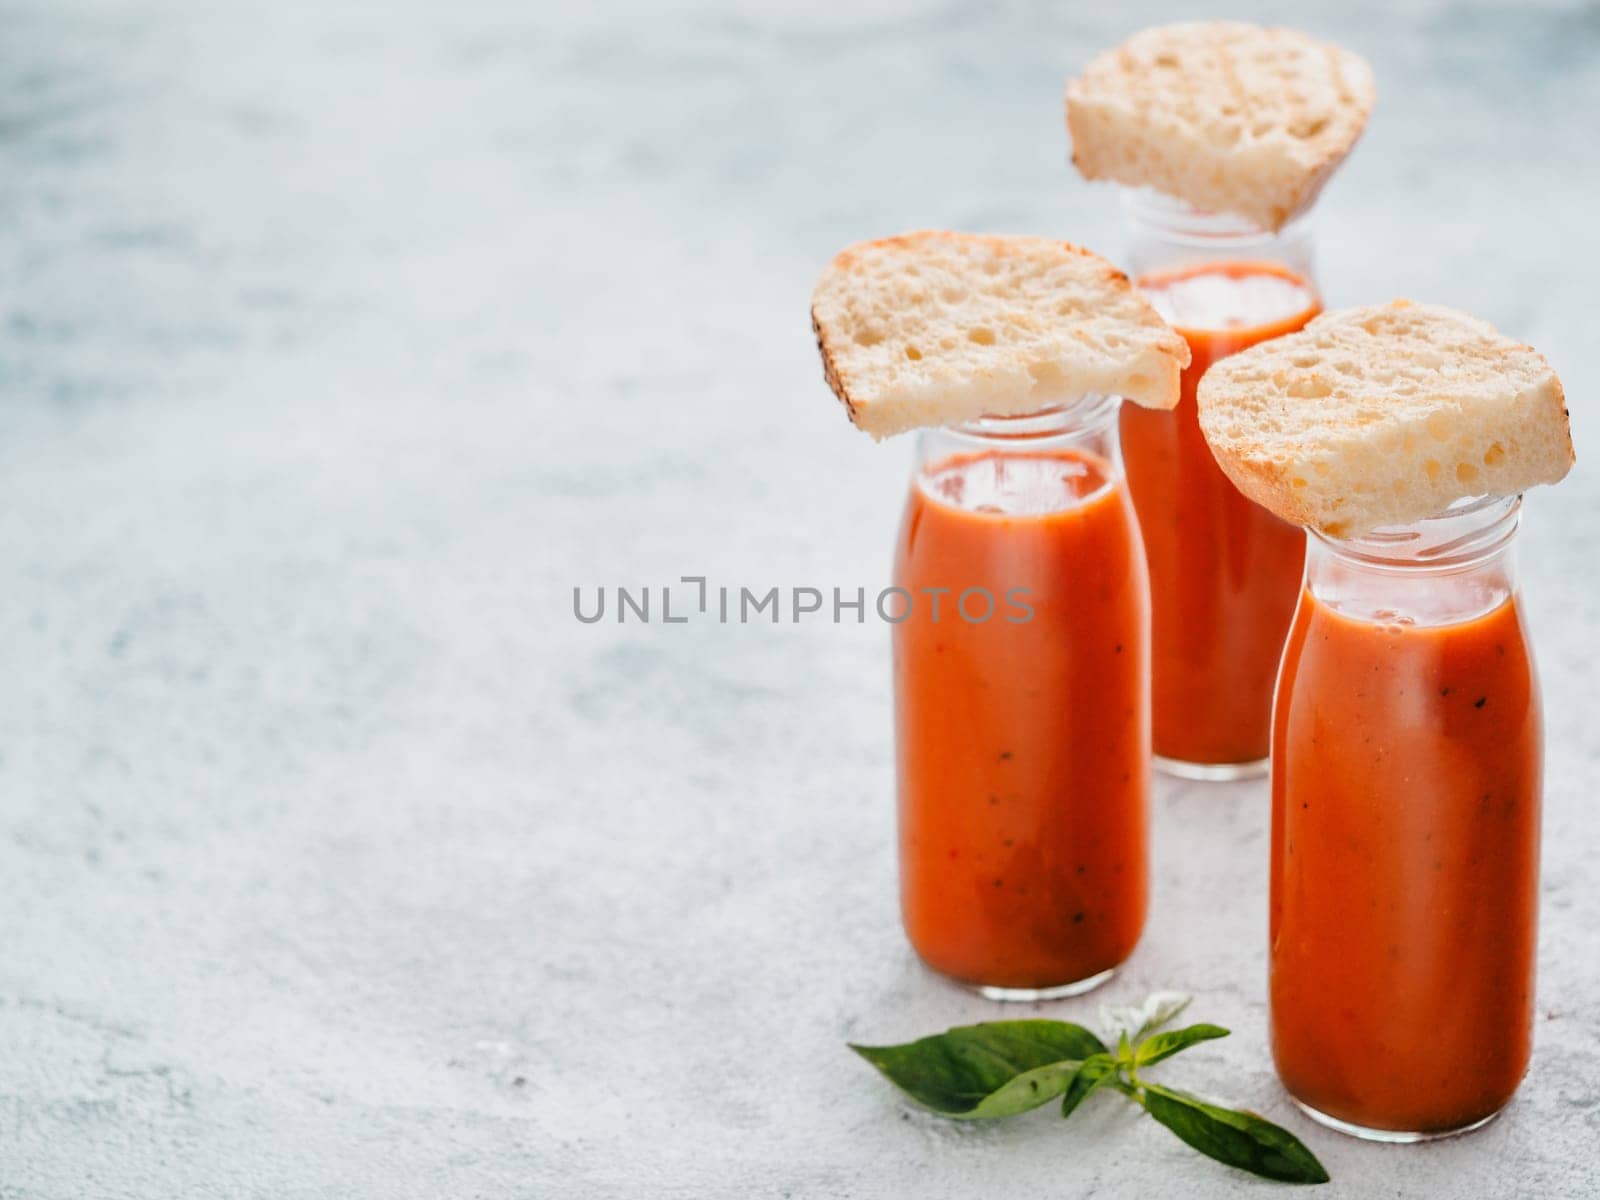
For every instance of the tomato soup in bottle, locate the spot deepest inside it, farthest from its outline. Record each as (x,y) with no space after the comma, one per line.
(1221,134)
(1023,725)
(1407,744)
(1021,635)
(1407,754)
(1224,572)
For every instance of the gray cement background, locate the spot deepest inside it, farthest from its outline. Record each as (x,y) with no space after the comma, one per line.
(339,342)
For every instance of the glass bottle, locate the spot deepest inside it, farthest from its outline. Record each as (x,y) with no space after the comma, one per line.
(1224,572)
(1407,763)
(1021,672)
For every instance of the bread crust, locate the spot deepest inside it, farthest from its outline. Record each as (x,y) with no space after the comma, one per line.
(830,372)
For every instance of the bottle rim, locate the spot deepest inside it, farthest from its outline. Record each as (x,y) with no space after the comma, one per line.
(1463,536)
(1179,221)
(1062,417)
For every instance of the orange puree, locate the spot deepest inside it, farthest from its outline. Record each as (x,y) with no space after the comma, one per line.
(1023,746)
(1224,572)
(1405,846)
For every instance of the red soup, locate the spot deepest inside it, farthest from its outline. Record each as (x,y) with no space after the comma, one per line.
(1023,745)
(1405,857)
(1224,572)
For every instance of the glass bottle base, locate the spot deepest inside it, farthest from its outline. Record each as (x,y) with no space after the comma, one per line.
(1393,1136)
(1032,995)
(1211,772)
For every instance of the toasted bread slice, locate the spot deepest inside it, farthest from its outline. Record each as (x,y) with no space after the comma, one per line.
(1226,116)
(939,328)
(1383,416)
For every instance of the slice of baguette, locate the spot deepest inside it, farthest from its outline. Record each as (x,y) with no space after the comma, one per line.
(938,328)
(1383,416)
(1226,116)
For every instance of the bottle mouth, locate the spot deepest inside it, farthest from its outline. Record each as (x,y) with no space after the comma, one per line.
(1462,536)
(1059,417)
(1180,221)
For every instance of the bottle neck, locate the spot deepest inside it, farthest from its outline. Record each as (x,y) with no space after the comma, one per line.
(1449,568)
(1164,234)
(1087,425)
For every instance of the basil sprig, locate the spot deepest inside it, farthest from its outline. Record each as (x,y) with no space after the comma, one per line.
(1002,1068)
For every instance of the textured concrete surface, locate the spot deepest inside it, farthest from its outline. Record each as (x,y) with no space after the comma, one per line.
(339,342)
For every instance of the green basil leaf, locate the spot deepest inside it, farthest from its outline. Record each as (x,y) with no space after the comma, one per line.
(995,1069)
(1093,1071)
(1165,1045)
(1240,1139)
